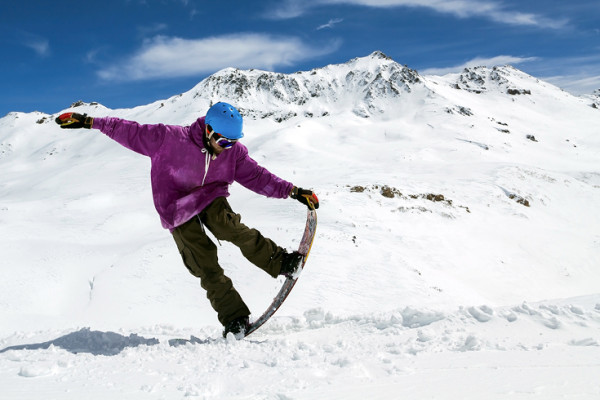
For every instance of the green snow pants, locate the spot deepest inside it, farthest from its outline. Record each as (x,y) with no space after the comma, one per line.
(199,255)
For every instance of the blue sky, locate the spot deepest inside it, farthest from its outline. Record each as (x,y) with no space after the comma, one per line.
(124,53)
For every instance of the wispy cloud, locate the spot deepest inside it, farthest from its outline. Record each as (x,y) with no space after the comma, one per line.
(40,45)
(287,9)
(187,4)
(330,24)
(489,9)
(578,83)
(479,61)
(90,56)
(171,57)
(577,75)
(152,29)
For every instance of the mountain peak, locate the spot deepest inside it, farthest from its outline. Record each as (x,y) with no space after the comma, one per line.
(379,55)
(365,84)
(376,57)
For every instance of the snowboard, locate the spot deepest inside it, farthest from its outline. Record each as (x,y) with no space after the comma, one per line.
(288,284)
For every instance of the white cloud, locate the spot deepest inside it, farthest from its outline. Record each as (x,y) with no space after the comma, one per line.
(330,24)
(490,9)
(476,62)
(170,57)
(287,9)
(577,75)
(90,56)
(577,84)
(37,43)
(147,30)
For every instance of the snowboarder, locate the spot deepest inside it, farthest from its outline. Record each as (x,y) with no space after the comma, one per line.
(192,168)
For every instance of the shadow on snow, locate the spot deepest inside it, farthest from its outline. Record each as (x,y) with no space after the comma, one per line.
(94,342)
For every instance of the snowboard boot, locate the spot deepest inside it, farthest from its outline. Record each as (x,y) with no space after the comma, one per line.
(290,264)
(238,327)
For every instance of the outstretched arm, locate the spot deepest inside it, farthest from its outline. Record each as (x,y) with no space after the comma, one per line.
(143,139)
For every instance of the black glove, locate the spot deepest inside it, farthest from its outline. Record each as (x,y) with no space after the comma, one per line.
(306,197)
(74,121)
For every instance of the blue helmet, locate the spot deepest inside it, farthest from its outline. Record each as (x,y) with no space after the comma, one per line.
(225,120)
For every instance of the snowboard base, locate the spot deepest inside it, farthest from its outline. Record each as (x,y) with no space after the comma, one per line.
(304,249)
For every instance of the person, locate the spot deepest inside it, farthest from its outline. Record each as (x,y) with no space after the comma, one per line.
(192,168)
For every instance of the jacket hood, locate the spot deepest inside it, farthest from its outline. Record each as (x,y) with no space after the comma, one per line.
(197,130)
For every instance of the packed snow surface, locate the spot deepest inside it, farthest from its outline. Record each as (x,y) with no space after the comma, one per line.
(457,252)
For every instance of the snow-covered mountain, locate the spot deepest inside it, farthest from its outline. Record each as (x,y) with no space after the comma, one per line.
(362,85)
(368,87)
(458,243)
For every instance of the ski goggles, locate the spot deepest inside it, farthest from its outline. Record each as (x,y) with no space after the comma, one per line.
(221,140)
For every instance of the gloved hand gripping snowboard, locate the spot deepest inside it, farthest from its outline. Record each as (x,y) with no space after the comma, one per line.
(306,197)
(74,121)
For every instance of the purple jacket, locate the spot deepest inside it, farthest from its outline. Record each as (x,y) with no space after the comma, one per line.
(185,177)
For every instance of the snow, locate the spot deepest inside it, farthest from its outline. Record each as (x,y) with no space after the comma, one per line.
(455,257)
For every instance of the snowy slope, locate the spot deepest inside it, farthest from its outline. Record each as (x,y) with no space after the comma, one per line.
(456,256)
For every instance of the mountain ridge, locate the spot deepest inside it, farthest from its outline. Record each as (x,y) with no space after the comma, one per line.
(364,86)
